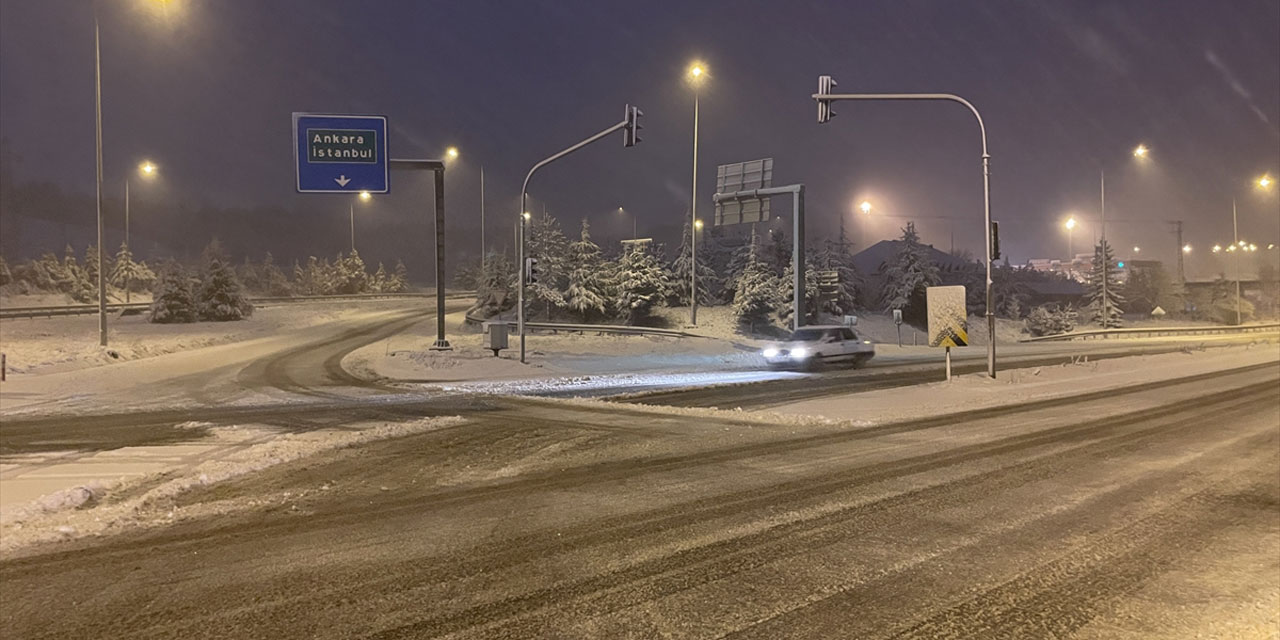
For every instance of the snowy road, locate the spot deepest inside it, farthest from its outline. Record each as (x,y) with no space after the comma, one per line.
(1150,511)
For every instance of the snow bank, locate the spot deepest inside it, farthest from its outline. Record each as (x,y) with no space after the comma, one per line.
(977,390)
(89,509)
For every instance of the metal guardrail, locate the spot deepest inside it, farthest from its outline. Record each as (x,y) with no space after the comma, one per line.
(1148,332)
(597,328)
(86,309)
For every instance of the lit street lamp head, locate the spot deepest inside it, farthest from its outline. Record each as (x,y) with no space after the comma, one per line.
(365,196)
(1141,151)
(1265,182)
(147,169)
(1217,248)
(697,73)
(697,224)
(451,153)
(1186,248)
(865,207)
(1070,223)
(1137,249)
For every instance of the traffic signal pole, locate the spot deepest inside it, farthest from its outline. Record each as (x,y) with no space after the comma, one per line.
(630,125)
(824,98)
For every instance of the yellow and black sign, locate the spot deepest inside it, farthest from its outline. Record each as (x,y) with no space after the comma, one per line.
(947,317)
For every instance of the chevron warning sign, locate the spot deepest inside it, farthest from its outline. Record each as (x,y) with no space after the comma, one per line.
(947,317)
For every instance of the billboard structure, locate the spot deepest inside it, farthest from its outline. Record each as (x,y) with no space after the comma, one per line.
(740,177)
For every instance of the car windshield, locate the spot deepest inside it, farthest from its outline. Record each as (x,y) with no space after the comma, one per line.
(810,335)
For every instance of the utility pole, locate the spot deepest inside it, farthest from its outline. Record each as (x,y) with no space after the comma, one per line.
(1235,241)
(97,115)
(1106,263)
(482,218)
(1182,274)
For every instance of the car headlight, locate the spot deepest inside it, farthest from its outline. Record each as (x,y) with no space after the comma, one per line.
(799,353)
(769,353)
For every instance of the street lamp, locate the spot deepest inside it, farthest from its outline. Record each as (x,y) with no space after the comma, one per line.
(1140,151)
(146,170)
(1137,249)
(1186,248)
(364,196)
(1265,182)
(1070,224)
(622,211)
(696,76)
(865,207)
(451,153)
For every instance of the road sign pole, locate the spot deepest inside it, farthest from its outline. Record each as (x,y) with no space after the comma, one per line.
(948,364)
(441,343)
(797,257)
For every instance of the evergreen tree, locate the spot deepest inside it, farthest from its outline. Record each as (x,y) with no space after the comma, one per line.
(588,279)
(737,264)
(786,288)
(304,278)
(274,282)
(91,268)
(250,276)
(835,256)
(6,276)
(379,284)
(907,276)
(548,244)
(72,280)
(642,282)
(1104,300)
(681,274)
(399,280)
(495,291)
(349,274)
(755,295)
(221,296)
(173,300)
(127,274)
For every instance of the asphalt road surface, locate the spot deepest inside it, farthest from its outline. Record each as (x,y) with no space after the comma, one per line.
(1147,511)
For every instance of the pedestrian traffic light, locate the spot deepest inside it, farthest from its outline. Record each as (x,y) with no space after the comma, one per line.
(824,106)
(995,240)
(631,132)
(531,270)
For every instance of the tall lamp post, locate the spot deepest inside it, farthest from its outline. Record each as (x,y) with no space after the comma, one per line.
(148,171)
(634,234)
(364,197)
(697,74)
(1070,225)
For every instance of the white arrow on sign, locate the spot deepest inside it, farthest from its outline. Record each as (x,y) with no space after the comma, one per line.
(342,180)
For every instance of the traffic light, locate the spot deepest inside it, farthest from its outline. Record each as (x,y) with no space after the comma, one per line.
(824,106)
(631,133)
(995,240)
(531,270)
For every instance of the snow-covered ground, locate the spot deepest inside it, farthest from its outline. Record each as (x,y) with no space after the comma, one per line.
(49,345)
(64,495)
(406,356)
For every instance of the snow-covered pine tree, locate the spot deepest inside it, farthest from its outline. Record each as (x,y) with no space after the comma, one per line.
(304,278)
(835,256)
(1104,301)
(588,279)
(379,284)
(350,275)
(91,269)
(495,289)
(681,272)
(786,286)
(399,281)
(172,300)
(641,283)
(737,264)
(274,282)
(548,244)
(756,294)
(126,272)
(907,276)
(250,276)
(72,280)
(221,296)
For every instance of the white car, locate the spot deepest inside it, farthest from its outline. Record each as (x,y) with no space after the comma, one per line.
(811,347)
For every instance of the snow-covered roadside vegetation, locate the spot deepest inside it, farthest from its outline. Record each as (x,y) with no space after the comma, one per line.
(48,345)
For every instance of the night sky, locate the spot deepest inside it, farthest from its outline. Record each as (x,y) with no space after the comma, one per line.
(205,89)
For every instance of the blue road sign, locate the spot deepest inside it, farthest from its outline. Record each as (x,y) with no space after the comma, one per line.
(340,154)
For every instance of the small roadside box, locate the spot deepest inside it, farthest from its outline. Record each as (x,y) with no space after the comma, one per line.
(495,336)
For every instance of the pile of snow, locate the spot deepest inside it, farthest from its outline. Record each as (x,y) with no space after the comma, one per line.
(88,509)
